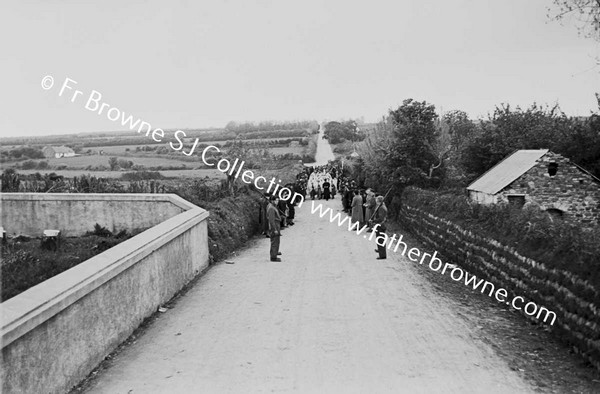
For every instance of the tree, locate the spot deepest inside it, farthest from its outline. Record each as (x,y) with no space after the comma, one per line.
(401,150)
(510,129)
(337,132)
(236,150)
(125,164)
(586,12)
(536,127)
(414,146)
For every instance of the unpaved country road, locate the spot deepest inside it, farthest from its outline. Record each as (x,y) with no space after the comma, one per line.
(329,318)
(324,151)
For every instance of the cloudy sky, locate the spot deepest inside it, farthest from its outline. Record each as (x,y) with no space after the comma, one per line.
(187,64)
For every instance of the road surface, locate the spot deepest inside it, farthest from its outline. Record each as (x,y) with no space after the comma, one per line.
(329,318)
(324,151)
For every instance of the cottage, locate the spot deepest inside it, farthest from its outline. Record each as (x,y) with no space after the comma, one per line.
(542,178)
(58,152)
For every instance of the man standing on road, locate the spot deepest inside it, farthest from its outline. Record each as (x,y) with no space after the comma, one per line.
(370,205)
(379,227)
(264,222)
(274,227)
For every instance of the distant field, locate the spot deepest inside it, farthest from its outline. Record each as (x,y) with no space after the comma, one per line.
(96,160)
(298,150)
(121,149)
(211,173)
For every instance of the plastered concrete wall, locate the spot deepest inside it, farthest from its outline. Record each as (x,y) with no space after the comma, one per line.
(55,333)
(76,214)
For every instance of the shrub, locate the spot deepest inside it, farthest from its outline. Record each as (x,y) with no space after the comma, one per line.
(29,165)
(141,175)
(25,264)
(125,164)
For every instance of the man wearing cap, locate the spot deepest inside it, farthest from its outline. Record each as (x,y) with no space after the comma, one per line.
(274,227)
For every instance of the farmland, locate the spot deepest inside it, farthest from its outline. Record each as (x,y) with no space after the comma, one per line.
(110,154)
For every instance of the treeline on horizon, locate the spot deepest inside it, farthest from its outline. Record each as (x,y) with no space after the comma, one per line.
(233,130)
(414,146)
(246,127)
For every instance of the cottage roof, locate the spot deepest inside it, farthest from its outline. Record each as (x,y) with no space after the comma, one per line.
(505,172)
(62,149)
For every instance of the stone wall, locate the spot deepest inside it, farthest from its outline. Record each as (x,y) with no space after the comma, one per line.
(571,190)
(575,301)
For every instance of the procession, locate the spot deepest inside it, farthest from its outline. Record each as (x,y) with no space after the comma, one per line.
(365,206)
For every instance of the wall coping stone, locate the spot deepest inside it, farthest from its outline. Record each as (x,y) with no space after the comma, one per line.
(173,198)
(24,312)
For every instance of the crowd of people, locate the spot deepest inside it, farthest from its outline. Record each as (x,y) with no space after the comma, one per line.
(365,206)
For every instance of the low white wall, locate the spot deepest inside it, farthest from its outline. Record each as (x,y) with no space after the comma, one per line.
(55,333)
(76,213)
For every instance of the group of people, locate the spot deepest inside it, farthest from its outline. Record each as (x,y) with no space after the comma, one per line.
(277,213)
(322,183)
(365,206)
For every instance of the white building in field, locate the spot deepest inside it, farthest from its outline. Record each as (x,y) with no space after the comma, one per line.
(58,151)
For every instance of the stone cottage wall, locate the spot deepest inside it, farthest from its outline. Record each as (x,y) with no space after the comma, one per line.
(571,190)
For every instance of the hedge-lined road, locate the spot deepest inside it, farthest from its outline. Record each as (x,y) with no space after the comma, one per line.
(328,318)
(324,151)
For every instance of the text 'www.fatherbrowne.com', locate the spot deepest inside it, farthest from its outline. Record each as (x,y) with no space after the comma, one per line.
(435,264)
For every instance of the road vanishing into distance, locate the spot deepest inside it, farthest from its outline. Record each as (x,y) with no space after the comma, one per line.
(324,152)
(329,318)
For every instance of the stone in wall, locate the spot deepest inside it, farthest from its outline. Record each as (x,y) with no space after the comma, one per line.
(569,190)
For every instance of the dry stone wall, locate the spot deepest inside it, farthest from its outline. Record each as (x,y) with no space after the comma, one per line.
(574,300)
(570,190)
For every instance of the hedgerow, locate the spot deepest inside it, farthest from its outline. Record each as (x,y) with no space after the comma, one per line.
(551,262)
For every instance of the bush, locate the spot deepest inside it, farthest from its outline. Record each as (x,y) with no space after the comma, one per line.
(42,165)
(100,231)
(530,230)
(29,165)
(125,164)
(141,175)
(25,264)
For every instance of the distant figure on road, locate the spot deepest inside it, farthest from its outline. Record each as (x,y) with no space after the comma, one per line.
(379,227)
(274,227)
(326,190)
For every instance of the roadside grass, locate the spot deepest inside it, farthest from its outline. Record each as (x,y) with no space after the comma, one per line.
(25,263)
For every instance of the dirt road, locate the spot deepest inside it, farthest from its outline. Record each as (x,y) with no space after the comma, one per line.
(324,150)
(329,318)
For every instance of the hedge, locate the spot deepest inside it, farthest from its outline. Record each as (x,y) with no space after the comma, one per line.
(552,263)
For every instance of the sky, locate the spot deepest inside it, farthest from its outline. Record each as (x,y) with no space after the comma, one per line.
(200,64)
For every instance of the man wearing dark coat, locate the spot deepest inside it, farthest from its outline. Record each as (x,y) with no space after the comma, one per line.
(326,191)
(283,212)
(274,227)
(262,219)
